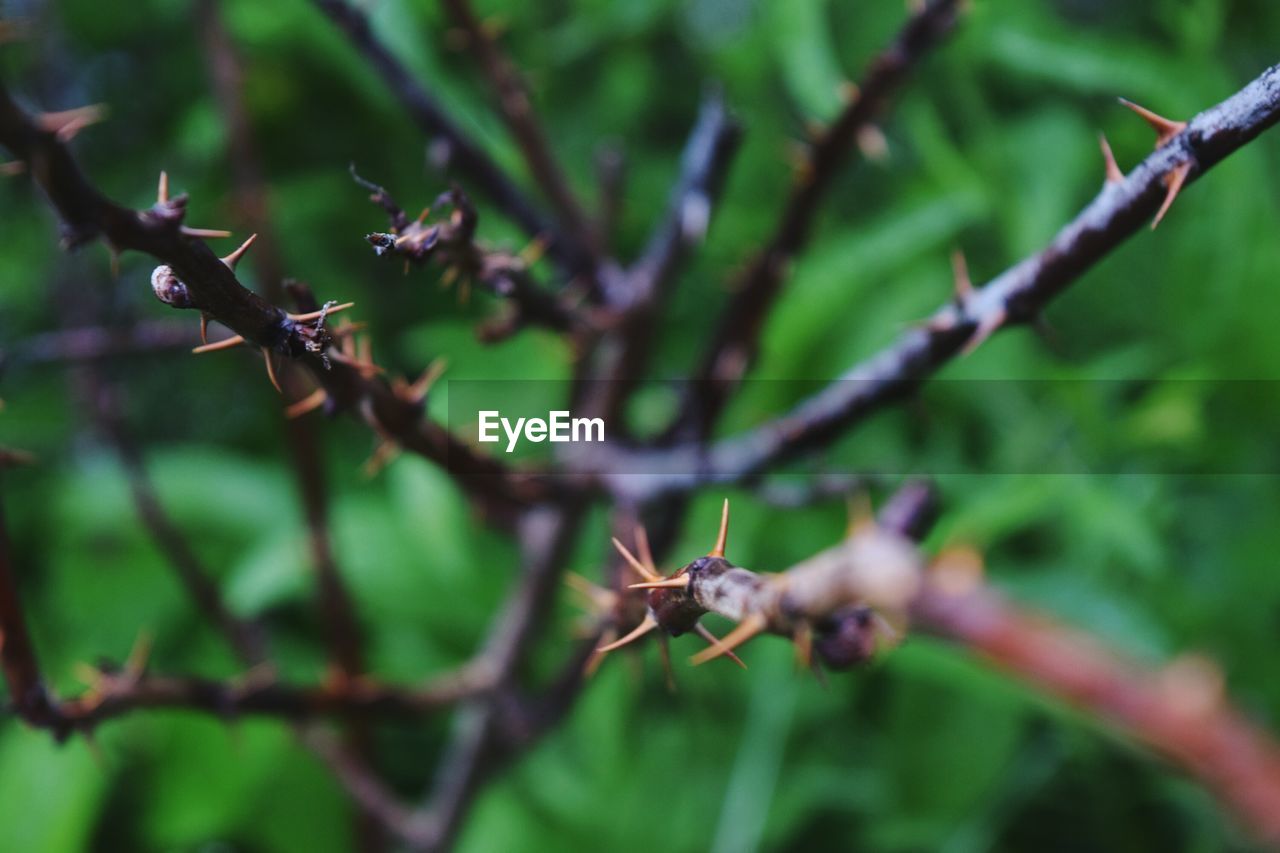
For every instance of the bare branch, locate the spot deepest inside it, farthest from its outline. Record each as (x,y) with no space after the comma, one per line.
(733,347)
(1015,297)
(450,148)
(517,112)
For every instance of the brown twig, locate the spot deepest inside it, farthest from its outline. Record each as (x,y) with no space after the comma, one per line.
(518,114)
(451,244)
(450,147)
(27,692)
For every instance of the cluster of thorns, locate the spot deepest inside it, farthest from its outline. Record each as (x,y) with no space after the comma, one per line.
(836,607)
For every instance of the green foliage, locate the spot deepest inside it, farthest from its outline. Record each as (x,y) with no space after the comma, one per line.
(1115,471)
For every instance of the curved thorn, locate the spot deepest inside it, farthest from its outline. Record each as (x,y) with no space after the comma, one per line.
(677,582)
(1174,181)
(597,656)
(204,329)
(271,369)
(715,642)
(643,628)
(309,403)
(747,628)
(636,565)
(1114,175)
(162,189)
(225,343)
(723,538)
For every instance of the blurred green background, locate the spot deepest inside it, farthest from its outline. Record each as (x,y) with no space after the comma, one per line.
(1168,544)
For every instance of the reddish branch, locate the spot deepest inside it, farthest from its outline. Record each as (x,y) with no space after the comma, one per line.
(1015,297)
(1178,711)
(210,286)
(734,344)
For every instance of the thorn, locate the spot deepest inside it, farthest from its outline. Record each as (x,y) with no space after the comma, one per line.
(872,143)
(957,571)
(804,646)
(67,123)
(1114,175)
(204,233)
(723,538)
(271,369)
(417,392)
(597,656)
(234,258)
(204,328)
(640,568)
(1174,181)
(860,512)
(136,664)
(13,167)
(1165,129)
(309,403)
(643,628)
(747,628)
(162,189)
(715,641)
(316,315)
(225,343)
(533,252)
(677,582)
(646,555)
(987,327)
(664,652)
(960,274)
(383,455)
(597,597)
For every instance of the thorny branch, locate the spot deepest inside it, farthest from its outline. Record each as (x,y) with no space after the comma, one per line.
(517,112)
(836,606)
(733,345)
(451,244)
(450,148)
(1017,296)
(194,277)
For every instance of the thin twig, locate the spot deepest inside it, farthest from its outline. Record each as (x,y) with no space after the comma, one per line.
(517,112)
(450,147)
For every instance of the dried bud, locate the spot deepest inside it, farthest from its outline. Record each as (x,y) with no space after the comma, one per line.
(169,289)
